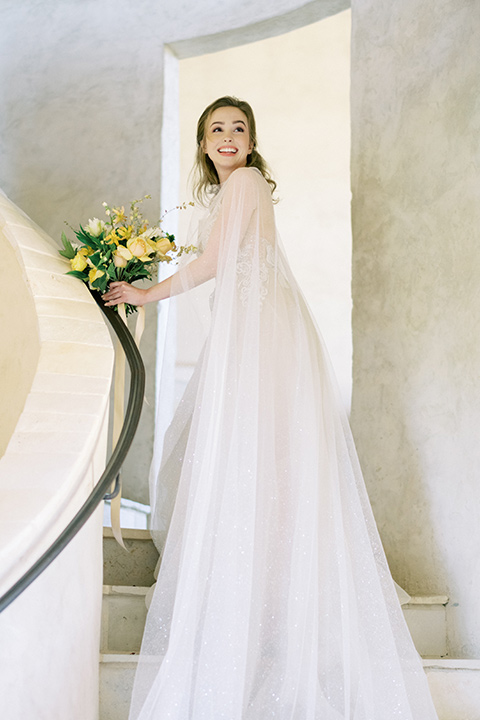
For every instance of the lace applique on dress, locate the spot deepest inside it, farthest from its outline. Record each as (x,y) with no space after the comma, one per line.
(205,226)
(266,262)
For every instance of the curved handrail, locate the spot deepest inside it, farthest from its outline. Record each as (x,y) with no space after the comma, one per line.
(109,475)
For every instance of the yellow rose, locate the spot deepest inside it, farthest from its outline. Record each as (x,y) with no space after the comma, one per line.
(121,256)
(163,246)
(119,261)
(152,247)
(78,262)
(94,274)
(138,247)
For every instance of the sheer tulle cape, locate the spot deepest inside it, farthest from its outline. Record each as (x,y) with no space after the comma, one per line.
(274,598)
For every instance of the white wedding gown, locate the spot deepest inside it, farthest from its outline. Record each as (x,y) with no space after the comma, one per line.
(274,598)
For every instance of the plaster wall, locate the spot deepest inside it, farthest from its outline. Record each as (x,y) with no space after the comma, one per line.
(416,398)
(50,637)
(81,116)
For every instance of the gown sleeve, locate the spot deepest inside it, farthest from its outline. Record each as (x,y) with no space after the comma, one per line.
(235,207)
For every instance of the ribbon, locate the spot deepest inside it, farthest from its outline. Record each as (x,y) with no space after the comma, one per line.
(119,410)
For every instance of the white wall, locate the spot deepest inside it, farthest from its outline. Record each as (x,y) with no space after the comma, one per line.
(416,212)
(50,637)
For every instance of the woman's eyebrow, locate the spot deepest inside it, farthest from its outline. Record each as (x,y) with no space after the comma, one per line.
(220,122)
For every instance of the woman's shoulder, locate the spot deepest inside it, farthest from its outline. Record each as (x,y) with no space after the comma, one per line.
(248,178)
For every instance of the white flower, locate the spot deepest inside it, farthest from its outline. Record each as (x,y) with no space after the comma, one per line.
(95,227)
(151,232)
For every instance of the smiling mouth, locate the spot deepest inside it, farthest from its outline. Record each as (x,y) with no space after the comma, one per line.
(228,151)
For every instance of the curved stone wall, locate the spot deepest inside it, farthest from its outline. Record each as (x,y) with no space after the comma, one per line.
(19,337)
(56,453)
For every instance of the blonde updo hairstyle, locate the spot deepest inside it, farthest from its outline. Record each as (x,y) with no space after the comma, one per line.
(205,177)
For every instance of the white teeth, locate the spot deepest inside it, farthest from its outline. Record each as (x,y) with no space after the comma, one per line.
(227,150)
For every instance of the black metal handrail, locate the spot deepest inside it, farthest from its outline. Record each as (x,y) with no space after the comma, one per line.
(112,469)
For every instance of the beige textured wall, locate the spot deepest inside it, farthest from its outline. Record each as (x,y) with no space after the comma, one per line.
(416,320)
(298,85)
(19,342)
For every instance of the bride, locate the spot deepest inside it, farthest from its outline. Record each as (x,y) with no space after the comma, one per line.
(274,598)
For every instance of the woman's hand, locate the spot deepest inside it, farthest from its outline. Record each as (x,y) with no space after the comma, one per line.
(122,292)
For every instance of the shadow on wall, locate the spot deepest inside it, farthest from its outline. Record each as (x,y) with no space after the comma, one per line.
(76,125)
(19,340)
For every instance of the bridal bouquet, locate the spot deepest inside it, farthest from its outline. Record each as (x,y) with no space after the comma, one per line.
(122,248)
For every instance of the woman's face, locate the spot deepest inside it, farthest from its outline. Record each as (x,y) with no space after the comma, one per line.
(227,140)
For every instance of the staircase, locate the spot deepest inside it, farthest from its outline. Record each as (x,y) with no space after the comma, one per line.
(455,684)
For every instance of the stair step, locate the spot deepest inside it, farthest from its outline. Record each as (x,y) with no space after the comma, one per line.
(134,567)
(117,672)
(455,686)
(427,621)
(128,576)
(123,618)
(124,613)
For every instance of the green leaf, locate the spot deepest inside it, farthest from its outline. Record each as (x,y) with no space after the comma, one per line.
(95,259)
(142,273)
(88,239)
(69,251)
(130,309)
(101,283)
(80,275)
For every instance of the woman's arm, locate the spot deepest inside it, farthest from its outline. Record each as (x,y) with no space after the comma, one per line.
(242,188)
(197,272)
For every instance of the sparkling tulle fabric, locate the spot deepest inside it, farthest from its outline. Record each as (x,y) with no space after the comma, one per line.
(274,598)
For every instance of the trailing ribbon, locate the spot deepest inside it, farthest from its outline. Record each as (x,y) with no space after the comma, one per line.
(119,410)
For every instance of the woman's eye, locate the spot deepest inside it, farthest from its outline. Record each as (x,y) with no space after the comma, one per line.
(217,129)
(240,129)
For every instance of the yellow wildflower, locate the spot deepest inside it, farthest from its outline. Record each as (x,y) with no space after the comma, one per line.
(125,232)
(112,238)
(119,214)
